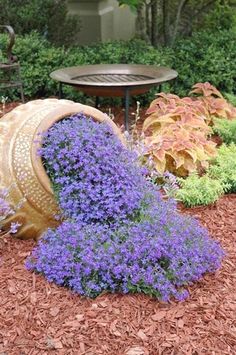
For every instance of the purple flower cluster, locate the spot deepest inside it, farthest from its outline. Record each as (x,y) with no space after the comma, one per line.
(125,238)
(95,177)
(156,255)
(5,208)
(6,211)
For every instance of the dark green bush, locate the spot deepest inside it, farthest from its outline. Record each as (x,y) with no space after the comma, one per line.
(47,17)
(220,17)
(204,57)
(39,58)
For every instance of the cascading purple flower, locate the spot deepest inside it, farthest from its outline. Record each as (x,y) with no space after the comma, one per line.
(6,211)
(95,177)
(5,208)
(119,234)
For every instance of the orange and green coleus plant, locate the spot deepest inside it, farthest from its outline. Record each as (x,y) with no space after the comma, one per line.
(177,134)
(177,130)
(214,102)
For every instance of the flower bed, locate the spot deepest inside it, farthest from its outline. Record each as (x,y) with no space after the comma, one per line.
(118,235)
(39,317)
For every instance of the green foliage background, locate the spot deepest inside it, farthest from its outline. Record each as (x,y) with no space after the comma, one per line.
(204,57)
(48,17)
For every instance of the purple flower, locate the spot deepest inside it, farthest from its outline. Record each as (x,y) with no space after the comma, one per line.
(94,176)
(118,234)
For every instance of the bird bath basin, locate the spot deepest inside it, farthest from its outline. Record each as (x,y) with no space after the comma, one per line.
(112,80)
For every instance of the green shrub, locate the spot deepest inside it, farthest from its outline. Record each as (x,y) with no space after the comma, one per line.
(223,167)
(221,17)
(226,129)
(220,178)
(231,98)
(195,190)
(206,56)
(38,58)
(47,17)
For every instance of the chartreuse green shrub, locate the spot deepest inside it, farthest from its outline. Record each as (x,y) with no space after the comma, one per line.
(223,167)
(199,190)
(220,178)
(231,98)
(225,129)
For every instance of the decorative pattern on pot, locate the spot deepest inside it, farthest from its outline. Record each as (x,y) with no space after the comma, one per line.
(21,166)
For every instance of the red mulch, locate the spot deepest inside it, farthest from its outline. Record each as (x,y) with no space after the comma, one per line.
(117,112)
(37,317)
(9,106)
(41,318)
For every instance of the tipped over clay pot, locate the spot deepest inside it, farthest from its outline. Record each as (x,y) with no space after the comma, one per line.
(22,168)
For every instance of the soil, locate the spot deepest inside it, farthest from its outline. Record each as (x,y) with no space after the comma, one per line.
(8,107)
(37,317)
(116,112)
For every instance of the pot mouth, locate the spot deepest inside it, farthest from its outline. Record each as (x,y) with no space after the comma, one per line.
(58,114)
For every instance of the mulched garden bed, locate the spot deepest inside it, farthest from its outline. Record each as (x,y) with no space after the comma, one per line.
(117,112)
(37,317)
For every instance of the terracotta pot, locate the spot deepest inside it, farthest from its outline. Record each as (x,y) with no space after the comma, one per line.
(21,166)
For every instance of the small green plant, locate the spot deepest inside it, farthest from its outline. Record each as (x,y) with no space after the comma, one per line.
(231,98)
(196,190)
(225,129)
(223,167)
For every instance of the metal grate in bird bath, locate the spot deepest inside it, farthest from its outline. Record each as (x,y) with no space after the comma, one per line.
(111,80)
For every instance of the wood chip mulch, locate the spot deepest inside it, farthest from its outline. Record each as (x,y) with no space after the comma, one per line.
(37,317)
(40,318)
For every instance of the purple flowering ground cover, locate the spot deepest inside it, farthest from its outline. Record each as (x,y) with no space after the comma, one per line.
(117,234)
(6,210)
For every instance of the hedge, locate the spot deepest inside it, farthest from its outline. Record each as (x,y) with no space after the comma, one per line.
(203,57)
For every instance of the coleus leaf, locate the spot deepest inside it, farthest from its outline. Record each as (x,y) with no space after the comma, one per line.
(160,165)
(189,164)
(205,89)
(214,102)
(154,119)
(177,131)
(178,158)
